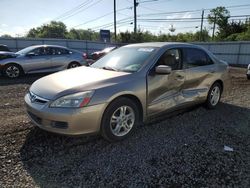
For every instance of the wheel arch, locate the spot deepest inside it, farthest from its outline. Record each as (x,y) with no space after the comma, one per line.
(221,84)
(14,63)
(134,99)
(73,62)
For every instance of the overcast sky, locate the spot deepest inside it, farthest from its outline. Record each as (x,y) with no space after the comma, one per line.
(18,16)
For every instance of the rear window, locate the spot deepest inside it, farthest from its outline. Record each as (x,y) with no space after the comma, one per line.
(58,51)
(193,57)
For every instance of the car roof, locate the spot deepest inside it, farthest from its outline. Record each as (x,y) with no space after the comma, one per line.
(46,45)
(160,44)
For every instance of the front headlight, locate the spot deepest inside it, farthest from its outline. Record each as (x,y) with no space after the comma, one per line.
(76,100)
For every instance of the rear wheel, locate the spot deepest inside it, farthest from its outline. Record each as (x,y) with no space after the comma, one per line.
(214,96)
(73,65)
(119,119)
(12,71)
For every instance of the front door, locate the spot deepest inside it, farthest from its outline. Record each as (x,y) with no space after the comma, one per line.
(59,58)
(39,61)
(165,91)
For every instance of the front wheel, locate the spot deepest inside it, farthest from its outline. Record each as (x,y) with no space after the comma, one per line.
(73,65)
(214,96)
(119,119)
(12,71)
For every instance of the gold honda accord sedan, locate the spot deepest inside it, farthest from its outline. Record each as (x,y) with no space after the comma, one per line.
(126,87)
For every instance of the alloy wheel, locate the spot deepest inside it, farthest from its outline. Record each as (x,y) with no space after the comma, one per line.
(73,65)
(215,96)
(12,71)
(122,121)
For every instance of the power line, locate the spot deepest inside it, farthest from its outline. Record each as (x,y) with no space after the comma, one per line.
(73,9)
(100,17)
(185,19)
(111,23)
(190,11)
(77,12)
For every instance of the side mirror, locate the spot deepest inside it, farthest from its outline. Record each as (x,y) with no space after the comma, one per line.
(163,69)
(30,54)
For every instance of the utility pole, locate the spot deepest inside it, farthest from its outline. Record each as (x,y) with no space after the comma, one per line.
(115,18)
(202,19)
(215,18)
(135,17)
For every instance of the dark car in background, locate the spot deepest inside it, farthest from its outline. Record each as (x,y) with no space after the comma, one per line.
(40,59)
(98,54)
(4,48)
(5,55)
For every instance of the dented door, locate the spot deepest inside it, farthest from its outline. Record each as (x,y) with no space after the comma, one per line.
(164,91)
(200,71)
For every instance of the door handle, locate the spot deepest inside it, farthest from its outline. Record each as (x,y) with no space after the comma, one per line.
(180,76)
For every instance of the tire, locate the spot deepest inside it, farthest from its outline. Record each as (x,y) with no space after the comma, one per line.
(12,71)
(116,126)
(248,76)
(73,65)
(214,95)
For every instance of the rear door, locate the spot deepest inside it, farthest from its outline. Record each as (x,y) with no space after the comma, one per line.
(60,58)
(164,91)
(199,69)
(39,61)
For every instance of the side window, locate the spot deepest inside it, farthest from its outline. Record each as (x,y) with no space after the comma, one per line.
(58,51)
(171,58)
(40,51)
(195,57)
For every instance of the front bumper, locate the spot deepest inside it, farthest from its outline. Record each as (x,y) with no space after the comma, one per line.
(67,121)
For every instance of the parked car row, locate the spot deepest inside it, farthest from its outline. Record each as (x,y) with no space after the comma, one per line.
(39,59)
(44,58)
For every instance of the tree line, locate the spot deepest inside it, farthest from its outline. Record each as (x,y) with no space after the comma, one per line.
(218,18)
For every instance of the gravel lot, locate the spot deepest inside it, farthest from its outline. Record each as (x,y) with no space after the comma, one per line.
(184,150)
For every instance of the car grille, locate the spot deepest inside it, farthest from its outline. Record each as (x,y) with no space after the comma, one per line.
(37,99)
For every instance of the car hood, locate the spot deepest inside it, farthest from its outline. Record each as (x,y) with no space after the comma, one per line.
(73,80)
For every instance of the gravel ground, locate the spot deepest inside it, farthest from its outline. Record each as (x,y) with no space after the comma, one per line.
(184,150)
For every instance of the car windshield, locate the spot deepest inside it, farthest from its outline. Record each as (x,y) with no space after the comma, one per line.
(125,59)
(26,50)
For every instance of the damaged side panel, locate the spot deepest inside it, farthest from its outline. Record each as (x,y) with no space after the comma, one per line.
(169,91)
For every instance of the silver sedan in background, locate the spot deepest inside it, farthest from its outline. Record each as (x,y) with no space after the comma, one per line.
(40,59)
(126,87)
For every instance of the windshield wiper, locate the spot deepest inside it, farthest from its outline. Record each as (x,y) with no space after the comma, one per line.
(109,68)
